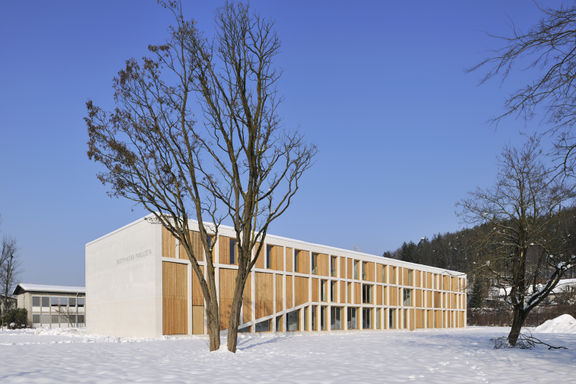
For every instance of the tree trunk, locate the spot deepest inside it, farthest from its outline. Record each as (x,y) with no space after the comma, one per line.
(213,324)
(517,322)
(235,312)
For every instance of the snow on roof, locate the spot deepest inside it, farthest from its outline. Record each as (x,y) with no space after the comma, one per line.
(26,287)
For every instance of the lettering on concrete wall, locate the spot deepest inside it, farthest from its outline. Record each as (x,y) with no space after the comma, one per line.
(133,256)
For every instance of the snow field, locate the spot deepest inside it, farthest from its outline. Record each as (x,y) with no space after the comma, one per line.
(427,356)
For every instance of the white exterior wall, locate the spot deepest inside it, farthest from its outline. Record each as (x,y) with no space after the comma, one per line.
(124,282)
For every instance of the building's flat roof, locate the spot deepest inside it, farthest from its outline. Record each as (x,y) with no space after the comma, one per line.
(26,287)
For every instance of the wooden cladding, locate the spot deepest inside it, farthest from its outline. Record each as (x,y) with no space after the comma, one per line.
(174,299)
(287,277)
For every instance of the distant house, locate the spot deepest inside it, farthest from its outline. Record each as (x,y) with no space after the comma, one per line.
(52,306)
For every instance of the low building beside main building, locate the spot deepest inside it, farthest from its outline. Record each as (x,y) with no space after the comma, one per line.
(52,306)
(140,283)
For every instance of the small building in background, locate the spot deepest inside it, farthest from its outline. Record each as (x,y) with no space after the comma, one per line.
(52,306)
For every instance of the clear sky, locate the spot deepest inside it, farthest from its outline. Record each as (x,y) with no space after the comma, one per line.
(379,86)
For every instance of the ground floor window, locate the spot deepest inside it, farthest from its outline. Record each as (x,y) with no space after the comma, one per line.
(263,326)
(336,318)
(293,321)
(323,325)
(392,318)
(366,318)
(279,324)
(352,320)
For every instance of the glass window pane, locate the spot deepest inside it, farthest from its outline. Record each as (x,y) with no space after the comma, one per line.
(55,301)
(293,320)
(80,301)
(80,319)
(35,319)
(45,301)
(35,301)
(72,301)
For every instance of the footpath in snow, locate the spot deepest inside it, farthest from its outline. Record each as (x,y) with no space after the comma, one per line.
(426,356)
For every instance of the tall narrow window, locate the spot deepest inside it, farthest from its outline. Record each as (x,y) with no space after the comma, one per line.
(392,319)
(323,325)
(232,251)
(364,271)
(366,294)
(366,318)
(332,291)
(36,302)
(409,277)
(407,296)
(351,318)
(355,270)
(268,256)
(333,268)
(314,263)
(296,269)
(322,290)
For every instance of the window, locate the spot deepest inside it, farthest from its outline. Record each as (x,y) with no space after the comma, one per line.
(293,321)
(45,319)
(232,245)
(36,319)
(55,301)
(80,319)
(335,318)
(36,302)
(322,290)
(378,318)
(355,270)
(364,271)
(279,324)
(263,326)
(244,330)
(63,301)
(392,318)
(333,266)
(45,301)
(393,275)
(55,319)
(366,294)
(352,320)
(314,323)
(409,277)
(296,269)
(80,301)
(314,263)
(306,325)
(332,291)
(72,302)
(366,318)
(323,318)
(268,256)
(407,296)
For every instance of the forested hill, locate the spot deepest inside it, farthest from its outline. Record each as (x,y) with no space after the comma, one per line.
(464,250)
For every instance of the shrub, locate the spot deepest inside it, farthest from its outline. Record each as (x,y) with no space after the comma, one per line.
(16,316)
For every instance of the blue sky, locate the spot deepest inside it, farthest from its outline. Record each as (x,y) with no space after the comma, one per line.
(379,86)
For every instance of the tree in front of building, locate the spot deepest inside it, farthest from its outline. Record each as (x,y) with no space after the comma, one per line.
(530,250)
(196,134)
(8,272)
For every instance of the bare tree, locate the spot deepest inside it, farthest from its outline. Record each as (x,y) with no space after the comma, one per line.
(196,135)
(548,49)
(531,251)
(8,269)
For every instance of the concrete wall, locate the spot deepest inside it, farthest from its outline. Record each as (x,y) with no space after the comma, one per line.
(124,282)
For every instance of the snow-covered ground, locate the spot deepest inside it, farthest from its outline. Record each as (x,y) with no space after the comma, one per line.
(427,356)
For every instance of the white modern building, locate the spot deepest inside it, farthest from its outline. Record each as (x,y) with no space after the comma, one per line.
(139,283)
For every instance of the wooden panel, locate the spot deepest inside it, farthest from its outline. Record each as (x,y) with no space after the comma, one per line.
(300,290)
(349,268)
(264,294)
(418,278)
(197,295)
(227,284)
(168,244)
(455,284)
(418,295)
(438,319)
(419,318)
(279,292)
(278,257)
(392,275)
(315,290)
(261,256)
(380,277)
(289,260)
(437,300)
(446,283)
(197,320)
(430,319)
(342,267)
(378,289)
(393,296)
(357,293)
(174,298)
(197,248)
(370,275)
(429,278)
(323,265)
(247,300)
(289,292)
(224,250)
(303,261)
(429,299)
(385,295)
(342,291)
